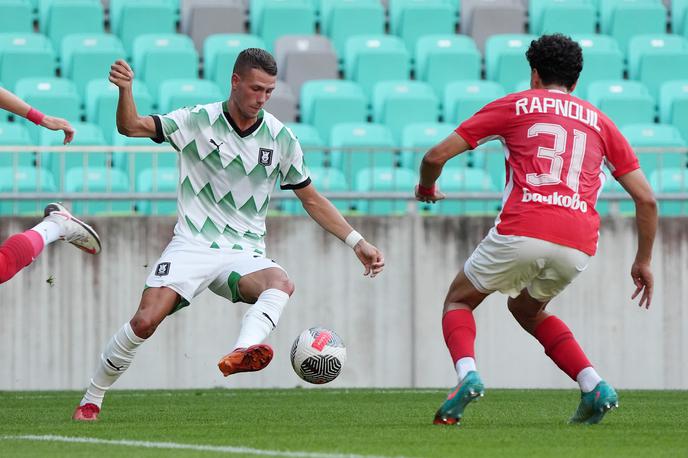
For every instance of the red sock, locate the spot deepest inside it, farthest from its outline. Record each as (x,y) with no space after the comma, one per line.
(458,327)
(561,346)
(36,242)
(15,254)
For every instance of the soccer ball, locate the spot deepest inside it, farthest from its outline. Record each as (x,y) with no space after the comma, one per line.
(317,355)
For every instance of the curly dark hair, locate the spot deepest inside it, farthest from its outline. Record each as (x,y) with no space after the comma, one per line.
(255,58)
(557,58)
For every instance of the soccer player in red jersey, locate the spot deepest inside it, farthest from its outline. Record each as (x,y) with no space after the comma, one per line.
(555,145)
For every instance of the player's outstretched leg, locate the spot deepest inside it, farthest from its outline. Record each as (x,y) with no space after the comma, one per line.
(595,404)
(253,358)
(451,410)
(75,231)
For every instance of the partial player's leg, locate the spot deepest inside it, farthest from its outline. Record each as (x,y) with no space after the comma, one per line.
(155,305)
(458,326)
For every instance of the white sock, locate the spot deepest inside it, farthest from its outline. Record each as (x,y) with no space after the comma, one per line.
(464,366)
(588,379)
(114,360)
(49,230)
(261,318)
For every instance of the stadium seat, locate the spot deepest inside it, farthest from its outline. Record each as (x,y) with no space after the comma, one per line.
(86,135)
(625,102)
(662,139)
(270,19)
(177,93)
(325,103)
(305,57)
(622,19)
(64,17)
(489,157)
(562,16)
(163,57)
(505,59)
(352,143)
(312,144)
(202,18)
(370,59)
(465,179)
(673,105)
(15,134)
(283,104)
(132,18)
(671,180)
(417,138)
(16,16)
(159,179)
(385,179)
(325,179)
(655,59)
(56,96)
(86,57)
(411,19)
(343,19)
(24,179)
(462,99)
(24,55)
(481,19)
(441,59)
(101,103)
(623,207)
(602,60)
(133,162)
(679,17)
(399,103)
(220,53)
(98,179)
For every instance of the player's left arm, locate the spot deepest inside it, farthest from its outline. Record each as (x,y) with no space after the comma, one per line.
(329,218)
(433,163)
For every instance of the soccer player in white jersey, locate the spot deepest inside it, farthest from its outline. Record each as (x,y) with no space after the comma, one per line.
(230,156)
(555,145)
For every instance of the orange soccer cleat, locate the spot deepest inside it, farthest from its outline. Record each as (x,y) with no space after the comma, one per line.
(253,358)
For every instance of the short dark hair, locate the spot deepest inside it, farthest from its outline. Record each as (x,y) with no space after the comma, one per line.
(255,58)
(557,58)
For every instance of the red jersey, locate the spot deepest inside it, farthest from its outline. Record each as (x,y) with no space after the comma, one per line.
(555,146)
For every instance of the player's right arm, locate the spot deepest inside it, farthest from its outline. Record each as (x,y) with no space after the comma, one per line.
(637,186)
(433,163)
(129,122)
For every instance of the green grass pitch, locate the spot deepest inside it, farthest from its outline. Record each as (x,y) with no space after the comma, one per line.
(334,423)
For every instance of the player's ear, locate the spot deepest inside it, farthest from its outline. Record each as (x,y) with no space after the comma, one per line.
(235,80)
(535,82)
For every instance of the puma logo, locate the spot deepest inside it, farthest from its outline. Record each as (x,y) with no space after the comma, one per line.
(214,143)
(111,364)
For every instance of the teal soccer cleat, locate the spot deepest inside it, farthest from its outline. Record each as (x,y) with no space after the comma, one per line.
(595,404)
(451,410)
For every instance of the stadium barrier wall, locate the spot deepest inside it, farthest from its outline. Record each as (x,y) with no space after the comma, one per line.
(51,336)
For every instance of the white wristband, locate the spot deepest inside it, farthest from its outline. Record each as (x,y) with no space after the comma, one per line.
(353,238)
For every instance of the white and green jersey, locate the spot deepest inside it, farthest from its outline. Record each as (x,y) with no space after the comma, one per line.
(226,176)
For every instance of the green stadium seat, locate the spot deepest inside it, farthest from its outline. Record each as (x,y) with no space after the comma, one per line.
(663,138)
(86,57)
(64,17)
(159,179)
(679,17)
(271,19)
(343,19)
(59,163)
(411,19)
(562,16)
(400,103)
(163,57)
(462,99)
(671,180)
(132,18)
(385,179)
(325,103)
(177,93)
(622,19)
(421,136)
(489,157)
(623,207)
(602,60)
(625,102)
(505,59)
(98,180)
(673,105)
(358,139)
(15,134)
(16,16)
(25,55)
(220,53)
(465,179)
(134,162)
(101,103)
(441,59)
(655,59)
(370,59)
(24,179)
(325,179)
(312,144)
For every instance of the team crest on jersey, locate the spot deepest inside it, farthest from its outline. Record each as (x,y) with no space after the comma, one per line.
(265,157)
(162,269)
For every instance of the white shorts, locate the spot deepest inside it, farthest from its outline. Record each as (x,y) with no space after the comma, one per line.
(189,268)
(510,263)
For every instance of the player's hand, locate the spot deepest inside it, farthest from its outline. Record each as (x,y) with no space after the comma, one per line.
(644,283)
(437,195)
(370,257)
(121,74)
(52,123)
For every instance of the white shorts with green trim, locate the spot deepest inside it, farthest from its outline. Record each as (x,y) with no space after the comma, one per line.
(189,268)
(510,263)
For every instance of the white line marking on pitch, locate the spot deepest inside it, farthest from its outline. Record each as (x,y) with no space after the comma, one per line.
(179,446)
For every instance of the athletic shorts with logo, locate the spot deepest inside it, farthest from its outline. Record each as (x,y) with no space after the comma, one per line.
(511,263)
(188,268)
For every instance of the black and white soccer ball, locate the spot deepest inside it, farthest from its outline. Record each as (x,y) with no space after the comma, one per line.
(317,355)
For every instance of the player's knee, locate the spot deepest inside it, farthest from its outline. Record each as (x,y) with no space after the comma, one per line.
(283,283)
(143,326)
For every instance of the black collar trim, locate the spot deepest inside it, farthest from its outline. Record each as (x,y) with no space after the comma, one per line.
(247,132)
